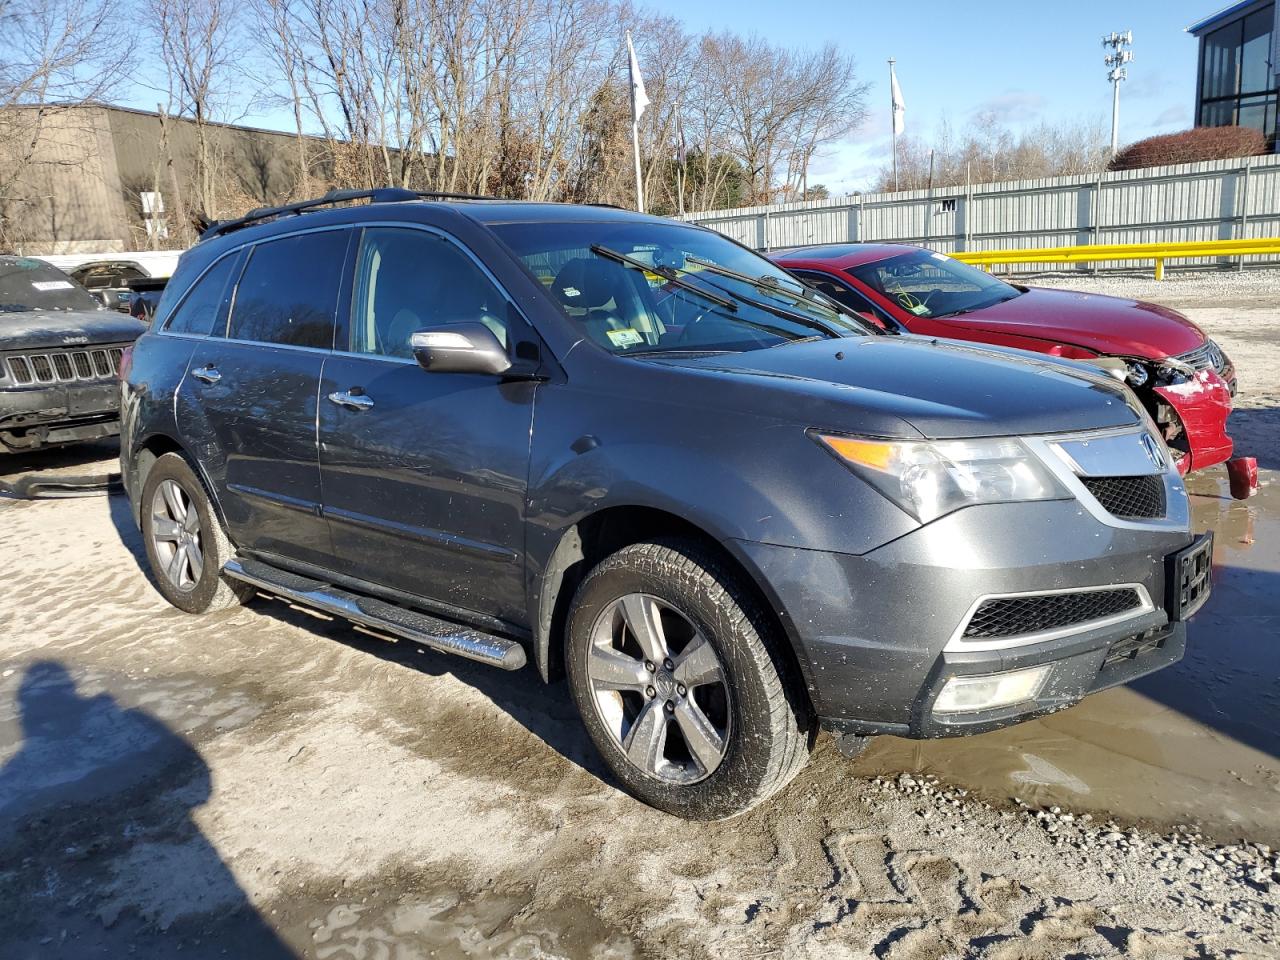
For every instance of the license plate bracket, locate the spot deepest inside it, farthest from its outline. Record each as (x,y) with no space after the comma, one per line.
(1189,578)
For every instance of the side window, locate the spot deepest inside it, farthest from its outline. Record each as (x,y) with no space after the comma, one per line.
(407,280)
(200,309)
(289,289)
(839,293)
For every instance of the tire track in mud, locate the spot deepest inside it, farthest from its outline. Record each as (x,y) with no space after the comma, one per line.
(386,779)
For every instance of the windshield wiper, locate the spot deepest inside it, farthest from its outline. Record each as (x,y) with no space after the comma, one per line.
(782,312)
(977,306)
(805,295)
(764,283)
(666,273)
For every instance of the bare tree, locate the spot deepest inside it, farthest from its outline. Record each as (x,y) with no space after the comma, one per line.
(780,106)
(54,55)
(988,152)
(196,42)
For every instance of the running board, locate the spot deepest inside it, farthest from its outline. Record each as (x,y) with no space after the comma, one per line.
(378,615)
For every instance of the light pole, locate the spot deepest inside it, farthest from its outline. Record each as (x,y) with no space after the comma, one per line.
(1116,71)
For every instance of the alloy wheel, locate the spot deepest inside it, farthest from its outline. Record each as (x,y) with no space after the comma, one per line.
(659,687)
(176,536)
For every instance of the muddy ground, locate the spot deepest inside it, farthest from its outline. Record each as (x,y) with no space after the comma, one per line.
(261,783)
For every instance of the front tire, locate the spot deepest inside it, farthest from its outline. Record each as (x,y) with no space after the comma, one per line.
(681,682)
(185,544)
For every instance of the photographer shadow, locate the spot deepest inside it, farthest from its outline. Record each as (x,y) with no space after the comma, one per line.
(96,810)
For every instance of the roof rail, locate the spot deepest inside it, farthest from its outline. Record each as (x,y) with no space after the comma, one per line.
(438,195)
(333,197)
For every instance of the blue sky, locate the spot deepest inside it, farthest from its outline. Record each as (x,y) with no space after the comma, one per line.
(1029,61)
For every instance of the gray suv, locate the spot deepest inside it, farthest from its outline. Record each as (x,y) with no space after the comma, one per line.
(636,453)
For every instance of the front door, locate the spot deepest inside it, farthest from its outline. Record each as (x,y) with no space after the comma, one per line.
(248,402)
(424,474)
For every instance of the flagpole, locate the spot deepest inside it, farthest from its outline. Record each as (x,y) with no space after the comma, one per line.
(681,157)
(893,123)
(635,150)
(637,91)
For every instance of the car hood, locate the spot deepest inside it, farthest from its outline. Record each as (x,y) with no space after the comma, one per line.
(941,388)
(1107,325)
(43,330)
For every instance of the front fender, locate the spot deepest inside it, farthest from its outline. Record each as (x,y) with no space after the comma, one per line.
(747,478)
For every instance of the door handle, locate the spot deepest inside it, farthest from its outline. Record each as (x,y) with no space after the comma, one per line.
(351,400)
(208,374)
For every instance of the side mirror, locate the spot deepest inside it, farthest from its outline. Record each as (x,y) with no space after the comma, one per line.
(460,348)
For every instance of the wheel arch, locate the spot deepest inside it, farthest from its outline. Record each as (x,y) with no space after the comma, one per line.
(144,457)
(593,537)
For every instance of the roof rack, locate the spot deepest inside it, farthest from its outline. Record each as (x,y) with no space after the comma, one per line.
(332,198)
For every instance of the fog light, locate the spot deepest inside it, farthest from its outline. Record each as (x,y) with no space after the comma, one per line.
(966,694)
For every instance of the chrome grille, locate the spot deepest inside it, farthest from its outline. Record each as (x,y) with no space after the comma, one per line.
(1207,357)
(62,366)
(1130,498)
(1014,616)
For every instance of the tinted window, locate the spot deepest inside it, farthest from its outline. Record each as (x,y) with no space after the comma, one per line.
(27,284)
(289,289)
(837,291)
(203,305)
(407,280)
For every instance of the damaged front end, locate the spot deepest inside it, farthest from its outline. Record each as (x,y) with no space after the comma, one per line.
(1189,398)
(1192,412)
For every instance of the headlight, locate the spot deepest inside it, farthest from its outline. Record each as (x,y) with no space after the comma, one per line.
(1137,374)
(932,478)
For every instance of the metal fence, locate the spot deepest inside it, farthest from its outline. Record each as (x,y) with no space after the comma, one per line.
(1214,200)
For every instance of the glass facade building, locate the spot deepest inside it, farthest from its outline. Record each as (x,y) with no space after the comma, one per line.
(1237,78)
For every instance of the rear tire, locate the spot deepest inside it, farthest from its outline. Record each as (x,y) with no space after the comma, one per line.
(681,681)
(186,546)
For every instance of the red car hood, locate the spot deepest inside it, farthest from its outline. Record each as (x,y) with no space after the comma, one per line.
(1108,325)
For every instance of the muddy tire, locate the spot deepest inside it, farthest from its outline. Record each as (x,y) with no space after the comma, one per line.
(681,681)
(186,546)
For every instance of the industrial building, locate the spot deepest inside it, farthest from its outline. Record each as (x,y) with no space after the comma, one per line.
(96,178)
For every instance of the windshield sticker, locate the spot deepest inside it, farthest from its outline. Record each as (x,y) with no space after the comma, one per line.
(919,309)
(45,285)
(938,256)
(571,292)
(625,337)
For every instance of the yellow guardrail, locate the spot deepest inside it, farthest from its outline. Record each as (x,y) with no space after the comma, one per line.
(1159,252)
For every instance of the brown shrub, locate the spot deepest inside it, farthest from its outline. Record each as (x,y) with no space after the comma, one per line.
(1190,146)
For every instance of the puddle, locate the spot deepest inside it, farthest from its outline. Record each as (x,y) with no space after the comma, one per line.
(1198,742)
(446,925)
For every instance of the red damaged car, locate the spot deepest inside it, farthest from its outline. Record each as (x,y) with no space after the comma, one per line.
(1182,377)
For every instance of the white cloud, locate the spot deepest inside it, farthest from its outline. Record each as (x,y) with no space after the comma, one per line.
(1015,106)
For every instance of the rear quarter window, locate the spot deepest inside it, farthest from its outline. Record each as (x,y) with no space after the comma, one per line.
(200,309)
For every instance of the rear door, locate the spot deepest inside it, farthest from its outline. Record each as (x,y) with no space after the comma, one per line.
(424,474)
(248,401)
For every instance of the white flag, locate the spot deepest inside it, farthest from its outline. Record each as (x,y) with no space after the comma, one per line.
(899,108)
(639,99)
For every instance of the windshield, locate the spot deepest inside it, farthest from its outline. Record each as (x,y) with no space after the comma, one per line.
(933,285)
(637,287)
(27,284)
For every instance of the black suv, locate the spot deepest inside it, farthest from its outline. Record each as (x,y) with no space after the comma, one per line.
(634,451)
(60,352)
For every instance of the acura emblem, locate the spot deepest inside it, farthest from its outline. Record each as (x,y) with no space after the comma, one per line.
(1153,450)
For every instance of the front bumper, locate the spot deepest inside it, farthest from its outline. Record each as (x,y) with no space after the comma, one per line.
(1202,404)
(31,417)
(877,634)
